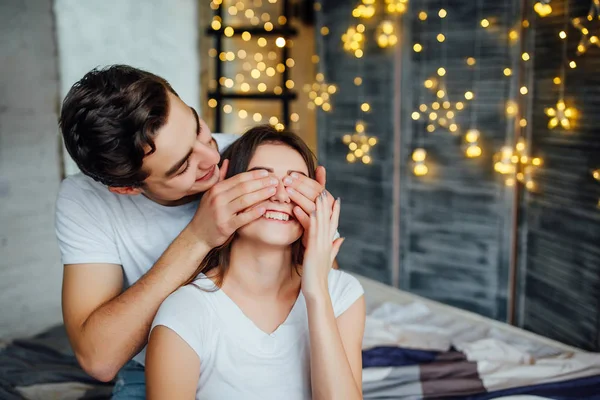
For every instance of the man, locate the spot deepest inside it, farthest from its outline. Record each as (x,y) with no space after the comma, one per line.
(132,228)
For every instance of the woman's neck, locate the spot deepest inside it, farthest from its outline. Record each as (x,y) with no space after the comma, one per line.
(261,270)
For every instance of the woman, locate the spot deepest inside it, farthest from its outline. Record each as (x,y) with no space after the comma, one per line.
(266,318)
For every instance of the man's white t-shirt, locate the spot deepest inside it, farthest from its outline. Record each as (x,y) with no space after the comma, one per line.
(237,359)
(94,225)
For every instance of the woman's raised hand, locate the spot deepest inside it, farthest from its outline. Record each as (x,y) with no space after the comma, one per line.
(320,250)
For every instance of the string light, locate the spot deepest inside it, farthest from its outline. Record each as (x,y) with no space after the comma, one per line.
(442,13)
(419,156)
(365,10)
(472,137)
(320,93)
(485,23)
(227,108)
(212,103)
(385,34)
(417,47)
(525,56)
(396,6)
(543,10)
(588,39)
(441,37)
(353,41)
(442,112)
(359,144)
(280,42)
(560,115)
(228,31)
(507,71)
(243,114)
(422,16)
(516,163)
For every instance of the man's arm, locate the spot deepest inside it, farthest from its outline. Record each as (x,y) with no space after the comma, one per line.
(107,327)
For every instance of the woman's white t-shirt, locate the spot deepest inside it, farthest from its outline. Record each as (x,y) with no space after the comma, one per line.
(237,359)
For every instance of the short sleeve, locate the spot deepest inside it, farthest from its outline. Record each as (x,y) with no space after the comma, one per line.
(84,233)
(344,290)
(184,314)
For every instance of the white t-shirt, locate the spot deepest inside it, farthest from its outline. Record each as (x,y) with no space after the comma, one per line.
(237,359)
(94,225)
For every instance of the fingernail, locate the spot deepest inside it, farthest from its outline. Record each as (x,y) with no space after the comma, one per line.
(273,181)
(287,180)
(263,173)
(262,210)
(339,201)
(272,190)
(294,175)
(290,190)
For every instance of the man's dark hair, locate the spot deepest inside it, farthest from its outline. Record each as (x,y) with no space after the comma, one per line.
(109,119)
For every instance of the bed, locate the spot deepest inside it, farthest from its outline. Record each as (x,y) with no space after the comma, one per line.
(413,348)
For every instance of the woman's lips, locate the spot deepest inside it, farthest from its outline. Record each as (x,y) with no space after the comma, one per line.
(208,175)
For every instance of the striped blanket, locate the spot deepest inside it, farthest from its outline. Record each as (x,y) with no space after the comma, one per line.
(411,353)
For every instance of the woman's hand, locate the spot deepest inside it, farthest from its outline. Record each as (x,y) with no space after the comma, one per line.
(320,251)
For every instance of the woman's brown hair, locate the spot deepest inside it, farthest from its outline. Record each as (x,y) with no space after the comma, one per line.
(240,154)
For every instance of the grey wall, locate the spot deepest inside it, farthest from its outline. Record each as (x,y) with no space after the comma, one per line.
(453,239)
(30,270)
(366,190)
(561,254)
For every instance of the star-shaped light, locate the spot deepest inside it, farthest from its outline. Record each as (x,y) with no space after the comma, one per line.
(354,40)
(441,113)
(320,93)
(359,144)
(517,164)
(583,25)
(560,115)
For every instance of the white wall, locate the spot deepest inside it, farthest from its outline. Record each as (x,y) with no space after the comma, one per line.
(30,270)
(160,36)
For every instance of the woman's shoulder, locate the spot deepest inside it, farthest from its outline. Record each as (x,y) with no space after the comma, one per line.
(189,312)
(344,290)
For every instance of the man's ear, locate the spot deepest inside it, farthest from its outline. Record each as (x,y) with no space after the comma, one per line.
(128,190)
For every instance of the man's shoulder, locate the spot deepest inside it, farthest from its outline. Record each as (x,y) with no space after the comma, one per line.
(224,140)
(79,187)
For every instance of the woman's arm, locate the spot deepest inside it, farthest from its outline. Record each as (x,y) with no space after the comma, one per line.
(172,366)
(335,348)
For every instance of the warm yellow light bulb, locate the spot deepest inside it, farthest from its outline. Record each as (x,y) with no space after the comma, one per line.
(420,169)
(422,15)
(365,107)
(280,42)
(573,64)
(212,103)
(507,71)
(415,115)
(523,90)
(419,155)
(442,13)
(485,23)
(469,95)
(473,151)
(562,35)
(441,37)
(228,31)
(417,47)
(441,71)
(525,56)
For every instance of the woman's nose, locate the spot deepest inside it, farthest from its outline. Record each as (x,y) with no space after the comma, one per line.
(281,195)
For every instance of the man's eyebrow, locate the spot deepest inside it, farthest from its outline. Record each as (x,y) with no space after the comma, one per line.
(198,126)
(171,171)
(271,170)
